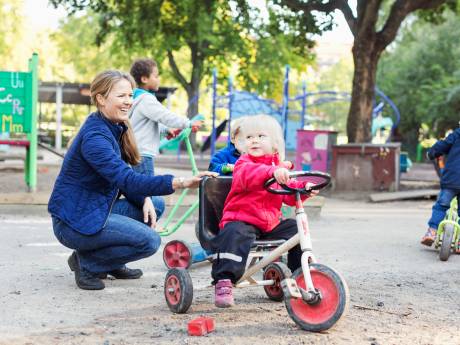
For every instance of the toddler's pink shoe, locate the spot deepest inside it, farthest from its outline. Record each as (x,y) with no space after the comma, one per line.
(224,294)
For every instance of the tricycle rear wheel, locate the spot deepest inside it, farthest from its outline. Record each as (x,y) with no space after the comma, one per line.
(276,271)
(178,290)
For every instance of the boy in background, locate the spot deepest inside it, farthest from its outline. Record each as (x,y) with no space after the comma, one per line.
(450,182)
(147,114)
(224,160)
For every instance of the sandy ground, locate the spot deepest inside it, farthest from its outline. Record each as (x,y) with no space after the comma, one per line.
(400,292)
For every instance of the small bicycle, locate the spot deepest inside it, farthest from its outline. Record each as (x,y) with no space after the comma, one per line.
(448,235)
(315,295)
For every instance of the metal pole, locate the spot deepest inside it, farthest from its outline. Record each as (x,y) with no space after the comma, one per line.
(31,154)
(214,99)
(58,135)
(284,117)
(230,103)
(304,104)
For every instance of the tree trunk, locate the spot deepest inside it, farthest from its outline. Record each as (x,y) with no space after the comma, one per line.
(363,92)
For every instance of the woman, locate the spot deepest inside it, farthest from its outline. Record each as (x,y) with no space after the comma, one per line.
(105,232)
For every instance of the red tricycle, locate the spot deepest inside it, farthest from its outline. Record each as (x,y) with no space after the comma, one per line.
(315,295)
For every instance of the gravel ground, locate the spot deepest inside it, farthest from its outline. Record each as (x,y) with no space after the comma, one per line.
(400,292)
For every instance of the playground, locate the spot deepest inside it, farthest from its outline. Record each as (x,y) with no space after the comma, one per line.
(317,236)
(395,295)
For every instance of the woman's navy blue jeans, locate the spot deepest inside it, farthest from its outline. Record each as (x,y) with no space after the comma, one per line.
(125,238)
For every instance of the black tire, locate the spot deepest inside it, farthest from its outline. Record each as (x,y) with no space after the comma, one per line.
(328,311)
(178,290)
(446,243)
(197,231)
(276,271)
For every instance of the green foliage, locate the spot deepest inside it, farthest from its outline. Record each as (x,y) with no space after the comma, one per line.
(76,41)
(422,76)
(336,78)
(196,36)
(10,26)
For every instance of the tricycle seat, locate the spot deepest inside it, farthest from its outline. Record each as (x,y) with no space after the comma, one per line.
(213,193)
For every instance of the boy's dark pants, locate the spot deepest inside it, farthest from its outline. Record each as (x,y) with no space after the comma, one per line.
(232,245)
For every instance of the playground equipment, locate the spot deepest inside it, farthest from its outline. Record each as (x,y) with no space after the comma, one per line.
(292,112)
(18,111)
(315,296)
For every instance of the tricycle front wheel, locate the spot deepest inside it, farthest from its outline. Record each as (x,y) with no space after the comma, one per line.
(325,313)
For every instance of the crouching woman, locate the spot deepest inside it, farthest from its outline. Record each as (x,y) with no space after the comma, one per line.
(107,232)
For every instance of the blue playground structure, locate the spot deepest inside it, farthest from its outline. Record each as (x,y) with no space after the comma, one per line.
(292,112)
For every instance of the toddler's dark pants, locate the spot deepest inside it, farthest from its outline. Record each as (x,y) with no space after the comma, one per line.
(232,245)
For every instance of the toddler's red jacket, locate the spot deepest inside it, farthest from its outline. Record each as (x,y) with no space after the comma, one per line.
(248,201)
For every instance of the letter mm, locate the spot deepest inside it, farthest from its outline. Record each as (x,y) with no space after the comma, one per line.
(9,126)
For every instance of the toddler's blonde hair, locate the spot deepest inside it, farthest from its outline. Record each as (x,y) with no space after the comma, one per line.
(268,124)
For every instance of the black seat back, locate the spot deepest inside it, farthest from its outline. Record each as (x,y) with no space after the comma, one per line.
(213,192)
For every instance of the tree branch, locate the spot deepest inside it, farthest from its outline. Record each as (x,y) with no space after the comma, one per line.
(180,78)
(368,14)
(331,6)
(398,13)
(307,7)
(343,6)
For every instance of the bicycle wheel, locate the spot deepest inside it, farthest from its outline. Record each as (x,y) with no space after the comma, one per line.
(333,304)
(178,290)
(446,243)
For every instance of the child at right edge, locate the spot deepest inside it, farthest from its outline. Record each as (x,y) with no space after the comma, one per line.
(450,182)
(250,211)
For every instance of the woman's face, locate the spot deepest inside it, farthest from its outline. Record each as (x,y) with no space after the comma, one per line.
(118,102)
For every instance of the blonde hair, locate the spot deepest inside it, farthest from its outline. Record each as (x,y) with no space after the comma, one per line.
(102,85)
(268,124)
(235,127)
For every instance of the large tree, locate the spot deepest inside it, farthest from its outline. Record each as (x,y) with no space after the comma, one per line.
(421,74)
(372,35)
(209,33)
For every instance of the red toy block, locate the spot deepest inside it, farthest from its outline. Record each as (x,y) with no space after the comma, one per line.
(201,326)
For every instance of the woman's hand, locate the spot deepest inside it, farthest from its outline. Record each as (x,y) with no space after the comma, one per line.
(149,212)
(281,175)
(191,182)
